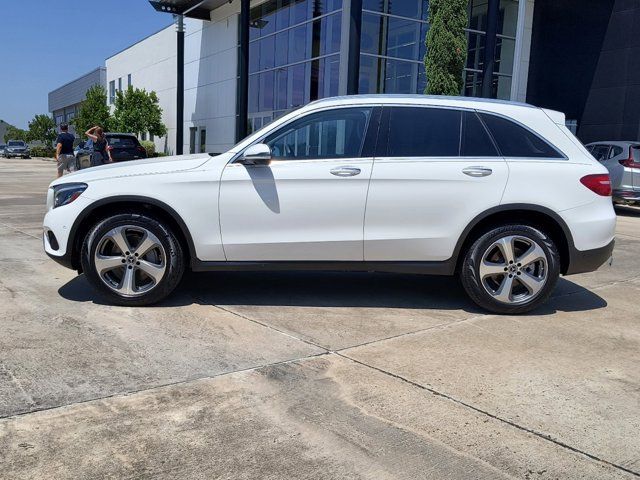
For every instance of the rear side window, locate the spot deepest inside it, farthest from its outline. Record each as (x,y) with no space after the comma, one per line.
(635,154)
(600,152)
(476,141)
(615,151)
(516,141)
(424,132)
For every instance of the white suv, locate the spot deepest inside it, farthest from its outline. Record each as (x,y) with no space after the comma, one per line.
(500,194)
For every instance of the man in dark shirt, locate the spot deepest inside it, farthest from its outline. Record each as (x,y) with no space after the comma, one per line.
(64,151)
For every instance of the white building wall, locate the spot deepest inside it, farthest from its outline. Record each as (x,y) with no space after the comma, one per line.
(152,65)
(522,51)
(210,78)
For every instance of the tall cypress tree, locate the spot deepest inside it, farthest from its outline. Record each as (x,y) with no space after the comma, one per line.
(446,47)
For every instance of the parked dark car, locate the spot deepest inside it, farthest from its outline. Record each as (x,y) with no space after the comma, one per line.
(123,147)
(17,148)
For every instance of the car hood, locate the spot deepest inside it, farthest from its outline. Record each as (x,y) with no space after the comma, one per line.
(147,166)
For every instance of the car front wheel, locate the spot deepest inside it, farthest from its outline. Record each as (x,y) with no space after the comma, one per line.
(132,259)
(511,269)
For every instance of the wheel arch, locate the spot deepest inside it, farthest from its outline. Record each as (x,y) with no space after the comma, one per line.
(527,214)
(101,209)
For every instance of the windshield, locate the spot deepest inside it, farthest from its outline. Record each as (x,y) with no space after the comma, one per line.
(16,144)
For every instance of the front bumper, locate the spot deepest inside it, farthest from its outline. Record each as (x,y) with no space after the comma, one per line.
(17,154)
(582,261)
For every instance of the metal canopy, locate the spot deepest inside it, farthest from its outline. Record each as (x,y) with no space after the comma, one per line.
(200,9)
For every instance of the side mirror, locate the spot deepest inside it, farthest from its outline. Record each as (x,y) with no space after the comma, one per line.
(259,154)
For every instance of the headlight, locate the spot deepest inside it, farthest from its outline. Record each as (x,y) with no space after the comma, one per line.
(66,193)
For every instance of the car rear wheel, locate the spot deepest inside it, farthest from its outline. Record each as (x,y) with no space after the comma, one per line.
(511,269)
(132,259)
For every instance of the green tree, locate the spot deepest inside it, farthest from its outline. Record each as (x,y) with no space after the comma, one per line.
(42,128)
(93,111)
(15,133)
(446,46)
(138,111)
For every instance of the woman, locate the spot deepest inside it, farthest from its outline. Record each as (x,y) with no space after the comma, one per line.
(101,153)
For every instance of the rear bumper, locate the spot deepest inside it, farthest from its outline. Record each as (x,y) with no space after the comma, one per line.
(582,261)
(626,195)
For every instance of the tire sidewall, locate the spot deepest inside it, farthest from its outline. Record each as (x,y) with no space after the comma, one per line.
(470,271)
(172,248)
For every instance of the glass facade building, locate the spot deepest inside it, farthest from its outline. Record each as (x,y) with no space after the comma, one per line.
(295,49)
(294,56)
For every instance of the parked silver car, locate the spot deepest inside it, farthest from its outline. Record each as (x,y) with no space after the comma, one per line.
(622,159)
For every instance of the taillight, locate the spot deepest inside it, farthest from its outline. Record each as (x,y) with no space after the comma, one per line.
(599,183)
(110,147)
(634,158)
(141,148)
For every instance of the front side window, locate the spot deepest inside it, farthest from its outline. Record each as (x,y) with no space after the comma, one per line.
(424,132)
(336,133)
(516,141)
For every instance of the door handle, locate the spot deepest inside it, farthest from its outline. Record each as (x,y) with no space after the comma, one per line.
(477,171)
(345,171)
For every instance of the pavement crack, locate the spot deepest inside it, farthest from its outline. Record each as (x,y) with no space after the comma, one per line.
(29,399)
(506,421)
(20,231)
(155,387)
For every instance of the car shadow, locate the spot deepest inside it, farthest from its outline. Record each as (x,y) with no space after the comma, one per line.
(336,289)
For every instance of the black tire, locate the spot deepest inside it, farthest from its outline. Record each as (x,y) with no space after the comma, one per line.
(470,269)
(174,260)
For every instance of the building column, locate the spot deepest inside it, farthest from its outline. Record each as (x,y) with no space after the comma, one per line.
(242,96)
(350,47)
(493,11)
(180,86)
(522,51)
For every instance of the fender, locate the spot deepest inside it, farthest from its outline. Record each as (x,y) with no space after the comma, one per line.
(71,244)
(512,207)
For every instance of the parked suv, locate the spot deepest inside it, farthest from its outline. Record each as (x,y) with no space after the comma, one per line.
(622,159)
(500,194)
(123,147)
(16,148)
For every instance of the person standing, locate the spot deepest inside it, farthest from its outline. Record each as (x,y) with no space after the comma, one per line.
(101,153)
(64,151)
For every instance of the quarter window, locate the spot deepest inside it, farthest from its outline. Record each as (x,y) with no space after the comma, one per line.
(330,134)
(476,142)
(516,141)
(424,132)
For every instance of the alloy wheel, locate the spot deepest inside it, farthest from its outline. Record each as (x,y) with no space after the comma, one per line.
(514,269)
(130,260)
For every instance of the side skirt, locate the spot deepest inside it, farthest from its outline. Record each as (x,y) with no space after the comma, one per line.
(446,267)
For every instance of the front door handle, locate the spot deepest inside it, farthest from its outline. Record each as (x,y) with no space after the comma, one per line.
(477,171)
(345,171)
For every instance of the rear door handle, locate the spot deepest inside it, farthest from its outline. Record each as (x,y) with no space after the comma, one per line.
(345,171)
(477,171)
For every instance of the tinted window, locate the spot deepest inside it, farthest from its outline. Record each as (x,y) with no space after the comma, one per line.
(635,154)
(424,132)
(600,152)
(615,151)
(331,134)
(476,142)
(122,142)
(516,141)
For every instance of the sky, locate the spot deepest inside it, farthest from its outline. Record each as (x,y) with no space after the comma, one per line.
(47,43)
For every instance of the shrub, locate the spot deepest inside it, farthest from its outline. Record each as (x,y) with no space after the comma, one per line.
(150,147)
(43,151)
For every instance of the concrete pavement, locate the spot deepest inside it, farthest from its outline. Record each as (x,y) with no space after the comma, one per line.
(310,375)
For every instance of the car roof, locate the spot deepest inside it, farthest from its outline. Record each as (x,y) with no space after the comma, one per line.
(469,102)
(113,134)
(614,142)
